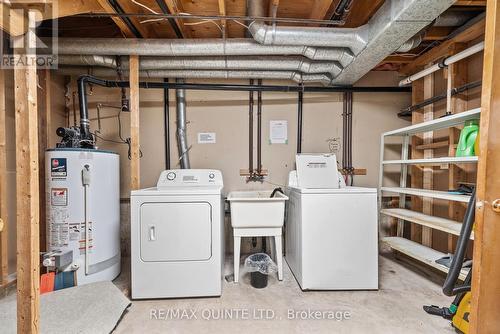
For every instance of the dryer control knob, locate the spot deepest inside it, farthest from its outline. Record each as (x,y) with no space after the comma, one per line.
(211,175)
(171,176)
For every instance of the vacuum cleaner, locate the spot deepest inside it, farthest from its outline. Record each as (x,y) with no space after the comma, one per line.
(459,310)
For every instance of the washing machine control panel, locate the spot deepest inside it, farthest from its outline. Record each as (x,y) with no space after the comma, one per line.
(189,178)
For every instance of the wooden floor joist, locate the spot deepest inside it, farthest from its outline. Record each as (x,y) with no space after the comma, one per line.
(28,254)
(485,308)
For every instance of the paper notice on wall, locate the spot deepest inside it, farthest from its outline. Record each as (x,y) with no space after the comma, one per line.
(206,137)
(278,132)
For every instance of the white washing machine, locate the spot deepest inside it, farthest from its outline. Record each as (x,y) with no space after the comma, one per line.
(177,236)
(331,235)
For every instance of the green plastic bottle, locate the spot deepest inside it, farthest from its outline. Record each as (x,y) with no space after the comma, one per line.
(467,139)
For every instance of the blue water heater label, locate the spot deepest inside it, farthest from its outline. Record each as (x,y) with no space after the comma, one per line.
(58,167)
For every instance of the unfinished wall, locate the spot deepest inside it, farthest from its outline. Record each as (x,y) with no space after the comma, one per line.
(58,118)
(226,114)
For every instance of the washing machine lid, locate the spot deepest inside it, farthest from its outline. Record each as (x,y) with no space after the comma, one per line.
(346,190)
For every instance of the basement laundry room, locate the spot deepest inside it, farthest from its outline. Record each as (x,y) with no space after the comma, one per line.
(249,166)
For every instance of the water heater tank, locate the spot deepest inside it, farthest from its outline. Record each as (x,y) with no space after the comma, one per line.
(83,211)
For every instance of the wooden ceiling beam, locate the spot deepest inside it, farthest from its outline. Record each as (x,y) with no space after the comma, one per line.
(176,8)
(470,3)
(320,9)
(147,31)
(15,25)
(127,32)
(437,33)
(361,12)
(445,49)
(222,12)
(273,8)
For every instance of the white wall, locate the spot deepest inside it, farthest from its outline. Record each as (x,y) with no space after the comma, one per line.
(226,114)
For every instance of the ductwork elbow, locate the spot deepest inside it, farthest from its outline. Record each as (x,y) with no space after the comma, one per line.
(259,31)
(411,44)
(354,39)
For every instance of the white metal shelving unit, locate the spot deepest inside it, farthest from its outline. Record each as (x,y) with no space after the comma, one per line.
(410,248)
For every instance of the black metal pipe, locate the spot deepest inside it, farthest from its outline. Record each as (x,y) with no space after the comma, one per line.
(341,9)
(259,129)
(300,102)
(119,10)
(250,131)
(166,124)
(457,90)
(173,23)
(344,130)
(83,80)
(86,136)
(349,128)
(245,88)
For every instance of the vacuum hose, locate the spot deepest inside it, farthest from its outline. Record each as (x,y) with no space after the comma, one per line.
(449,288)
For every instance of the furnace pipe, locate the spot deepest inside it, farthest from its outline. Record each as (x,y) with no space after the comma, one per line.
(182,145)
(166,124)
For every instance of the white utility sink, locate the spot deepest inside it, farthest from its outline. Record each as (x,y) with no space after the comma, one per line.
(256,209)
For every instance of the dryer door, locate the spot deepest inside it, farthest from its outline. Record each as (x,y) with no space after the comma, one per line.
(176,231)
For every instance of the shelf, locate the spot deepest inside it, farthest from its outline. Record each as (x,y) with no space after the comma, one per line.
(437,223)
(428,193)
(420,252)
(436,124)
(438,161)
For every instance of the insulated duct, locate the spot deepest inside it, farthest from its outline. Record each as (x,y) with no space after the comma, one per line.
(448,19)
(394,24)
(276,63)
(180,99)
(354,39)
(410,44)
(207,74)
(194,47)
(87,60)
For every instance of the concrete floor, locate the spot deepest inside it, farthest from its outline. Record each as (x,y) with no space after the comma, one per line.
(395,308)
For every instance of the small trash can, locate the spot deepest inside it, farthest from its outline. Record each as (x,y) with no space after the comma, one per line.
(260,265)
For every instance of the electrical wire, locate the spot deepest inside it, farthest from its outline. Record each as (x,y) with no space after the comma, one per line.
(203,21)
(125,141)
(144,6)
(240,23)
